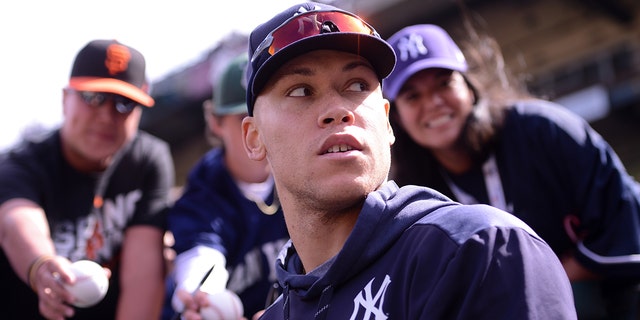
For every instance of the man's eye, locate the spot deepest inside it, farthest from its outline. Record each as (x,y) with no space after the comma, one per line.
(358,86)
(300,92)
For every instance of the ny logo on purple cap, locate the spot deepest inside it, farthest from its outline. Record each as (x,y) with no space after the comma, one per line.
(411,45)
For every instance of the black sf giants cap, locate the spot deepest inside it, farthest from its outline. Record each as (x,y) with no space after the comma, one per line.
(306,27)
(110,66)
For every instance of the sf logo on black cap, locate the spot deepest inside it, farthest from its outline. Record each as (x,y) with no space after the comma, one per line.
(117,60)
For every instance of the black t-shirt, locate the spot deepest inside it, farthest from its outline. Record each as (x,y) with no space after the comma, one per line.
(136,192)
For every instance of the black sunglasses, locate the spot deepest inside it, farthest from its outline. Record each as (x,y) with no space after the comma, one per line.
(123,104)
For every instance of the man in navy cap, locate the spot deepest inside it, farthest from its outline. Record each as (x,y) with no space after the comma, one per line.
(362,248)
(94,189)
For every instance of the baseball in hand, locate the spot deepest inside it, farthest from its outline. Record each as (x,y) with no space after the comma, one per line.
(91,283)
(223,305)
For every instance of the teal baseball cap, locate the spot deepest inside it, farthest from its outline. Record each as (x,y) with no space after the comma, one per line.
(229,94)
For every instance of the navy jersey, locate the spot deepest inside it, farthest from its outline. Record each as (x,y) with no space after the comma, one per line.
(558,175)
(214,213)
(564,180)
(137,193)
(415,254)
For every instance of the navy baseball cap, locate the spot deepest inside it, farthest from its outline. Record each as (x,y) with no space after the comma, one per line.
(110,66)
(230,94)
(307,27)
(421,47)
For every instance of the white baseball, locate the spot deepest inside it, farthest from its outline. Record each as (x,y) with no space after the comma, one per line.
(91,283)
(223,305)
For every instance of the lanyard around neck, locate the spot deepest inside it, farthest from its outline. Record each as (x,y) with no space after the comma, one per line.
(103,181)
(492,183)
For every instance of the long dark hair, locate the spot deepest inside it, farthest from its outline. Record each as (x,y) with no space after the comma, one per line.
(494,88)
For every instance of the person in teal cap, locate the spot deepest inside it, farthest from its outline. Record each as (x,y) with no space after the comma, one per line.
(229,215)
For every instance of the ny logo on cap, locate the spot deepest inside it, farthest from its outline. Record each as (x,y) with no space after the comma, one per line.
(302,10)
(411,46)
(118,57)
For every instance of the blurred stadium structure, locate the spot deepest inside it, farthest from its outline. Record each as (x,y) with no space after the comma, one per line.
(582,53)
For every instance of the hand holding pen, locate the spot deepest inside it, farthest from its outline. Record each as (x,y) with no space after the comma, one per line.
(204,278)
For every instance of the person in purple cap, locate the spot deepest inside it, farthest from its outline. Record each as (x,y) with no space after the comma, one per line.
(94,189)
(465,128)
(360,247)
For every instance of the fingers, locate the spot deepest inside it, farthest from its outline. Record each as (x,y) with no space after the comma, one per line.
(192,303)
(191,315)
(54,274)
(201,299)
(194,300)
(107,271)
(52,306)
(48,282)
(257,315)
(187,299)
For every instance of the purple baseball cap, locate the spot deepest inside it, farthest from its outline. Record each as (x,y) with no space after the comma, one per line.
(306,27)
(421,47)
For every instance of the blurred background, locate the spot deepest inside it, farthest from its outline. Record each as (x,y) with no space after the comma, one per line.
(584,54)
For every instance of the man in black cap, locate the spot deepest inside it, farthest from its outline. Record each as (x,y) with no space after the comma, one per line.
(362,248)
(94,189)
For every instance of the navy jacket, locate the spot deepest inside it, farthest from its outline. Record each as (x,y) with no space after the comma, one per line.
(213,212)
(415,254)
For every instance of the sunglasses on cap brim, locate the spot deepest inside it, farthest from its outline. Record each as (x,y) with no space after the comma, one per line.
(310,24)
(122,104)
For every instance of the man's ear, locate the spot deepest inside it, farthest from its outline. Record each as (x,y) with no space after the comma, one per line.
(387,109)
(65,95)
(251,140)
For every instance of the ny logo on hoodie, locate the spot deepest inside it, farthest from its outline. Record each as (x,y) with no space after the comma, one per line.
(368,305)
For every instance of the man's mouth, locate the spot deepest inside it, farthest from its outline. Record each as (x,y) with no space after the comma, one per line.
(339,148)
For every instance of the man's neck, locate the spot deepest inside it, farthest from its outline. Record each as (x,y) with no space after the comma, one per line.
(318,236)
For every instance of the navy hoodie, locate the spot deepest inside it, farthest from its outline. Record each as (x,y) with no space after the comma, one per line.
(415,254)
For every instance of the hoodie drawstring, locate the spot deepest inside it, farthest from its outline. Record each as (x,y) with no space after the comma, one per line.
(285,302)
(323,304)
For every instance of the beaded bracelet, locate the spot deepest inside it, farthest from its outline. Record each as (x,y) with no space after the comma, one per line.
(33,268)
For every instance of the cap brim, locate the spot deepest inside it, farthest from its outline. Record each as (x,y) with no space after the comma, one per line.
(375,50)
(113,86)
(392,85)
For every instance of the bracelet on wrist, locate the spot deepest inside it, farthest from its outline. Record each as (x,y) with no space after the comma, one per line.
(33,268)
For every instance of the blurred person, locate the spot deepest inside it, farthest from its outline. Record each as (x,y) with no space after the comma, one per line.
(362,248)
(468,129)
(95,188)
(229,215)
